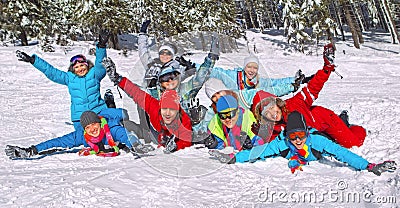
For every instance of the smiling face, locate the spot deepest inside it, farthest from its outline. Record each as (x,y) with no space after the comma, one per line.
(272,113)
(230,120)
(168,115)
(251,70)
(81,69)
(165,56)
(93,129)
(298,139)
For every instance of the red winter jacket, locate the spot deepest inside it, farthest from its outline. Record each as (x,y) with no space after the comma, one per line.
(320,118)
(181,128)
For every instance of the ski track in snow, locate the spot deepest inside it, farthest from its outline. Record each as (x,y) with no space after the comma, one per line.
(34,109)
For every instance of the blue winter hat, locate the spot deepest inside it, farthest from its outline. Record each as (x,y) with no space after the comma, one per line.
(226,103)
(168,70)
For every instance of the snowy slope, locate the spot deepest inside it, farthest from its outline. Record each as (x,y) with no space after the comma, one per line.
(34,109)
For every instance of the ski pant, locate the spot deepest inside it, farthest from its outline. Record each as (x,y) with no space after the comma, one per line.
(333,126)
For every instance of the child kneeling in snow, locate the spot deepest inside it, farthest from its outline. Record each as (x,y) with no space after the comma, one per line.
(99,131)
(301,145)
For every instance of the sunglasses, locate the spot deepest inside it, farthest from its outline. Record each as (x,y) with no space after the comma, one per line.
(165,52)
(168,77)
(77,59)
(230,114)
(297,135)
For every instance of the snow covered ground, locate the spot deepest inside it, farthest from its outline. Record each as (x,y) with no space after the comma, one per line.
(34,109)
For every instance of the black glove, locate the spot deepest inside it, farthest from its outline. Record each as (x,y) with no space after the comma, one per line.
(188,64)
(378,169)
(214,50)
(111,70)
(170,144)
(245,140)
(103,38)
(22,56)
(223,158)
(298,80)
(307,79)
(196,111)
(210,142)
(144,27)
(14,152)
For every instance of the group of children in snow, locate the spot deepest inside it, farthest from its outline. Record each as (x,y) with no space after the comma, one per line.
(246,113)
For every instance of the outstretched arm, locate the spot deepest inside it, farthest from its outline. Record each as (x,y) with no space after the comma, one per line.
(51,72)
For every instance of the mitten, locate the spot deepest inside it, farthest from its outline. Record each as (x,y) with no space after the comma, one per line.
(22,56)
(307,79)
(103,38)
(145,25)
(214,50)
(223,158)
(14,152)
(378,169)
(111,70)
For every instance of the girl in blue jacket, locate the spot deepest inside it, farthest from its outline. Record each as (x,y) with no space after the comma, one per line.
(82,79)
(301,145)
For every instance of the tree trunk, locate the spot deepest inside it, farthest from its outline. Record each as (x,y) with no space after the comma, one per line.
(390,23)
(351,25)
(23,37)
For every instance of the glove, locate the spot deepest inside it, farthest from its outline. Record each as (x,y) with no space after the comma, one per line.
(188,64)
(223,158)
(262,130)
(151,77)
(103,38)
(144,27)
(196,111)
(141,148)
(329,54)
(214,50)
(298,80)
(210,142)
(22,56)
(378,169)
(307,79)
(111,70)
(170,145)
(14,152)
(245,140)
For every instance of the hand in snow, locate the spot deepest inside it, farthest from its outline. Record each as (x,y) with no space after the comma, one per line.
(22,56)
(14,152)
(378,169)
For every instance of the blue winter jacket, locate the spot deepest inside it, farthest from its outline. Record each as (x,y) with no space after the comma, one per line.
(84,91)
(318,144)
(76,138)
(229,77)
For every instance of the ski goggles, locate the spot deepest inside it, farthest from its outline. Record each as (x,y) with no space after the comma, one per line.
(165,52)
(168,77)
(297,135)
(77,59)
(226,115)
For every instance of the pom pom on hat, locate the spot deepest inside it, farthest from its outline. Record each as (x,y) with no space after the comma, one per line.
(170,99)
(226,103)
(213,86)
(89,117)
(296,122)
(251,59)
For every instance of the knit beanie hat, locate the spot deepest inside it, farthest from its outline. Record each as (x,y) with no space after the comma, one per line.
(296,122)
(89,117)
(170,99)
(251,59)
(213,86)
(170,47)
(226,103)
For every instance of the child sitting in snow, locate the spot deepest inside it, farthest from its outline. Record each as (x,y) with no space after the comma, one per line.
(301,145)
